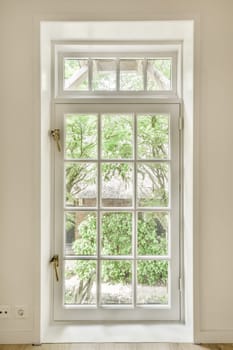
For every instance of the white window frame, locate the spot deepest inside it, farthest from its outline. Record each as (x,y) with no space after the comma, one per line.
(157,312)
(60,96)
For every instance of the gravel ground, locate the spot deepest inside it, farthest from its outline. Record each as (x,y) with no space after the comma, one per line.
(120,294)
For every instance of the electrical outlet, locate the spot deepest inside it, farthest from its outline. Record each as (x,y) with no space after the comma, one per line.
(4,311)
(21,311)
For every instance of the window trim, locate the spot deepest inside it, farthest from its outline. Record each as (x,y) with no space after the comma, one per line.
(50,32)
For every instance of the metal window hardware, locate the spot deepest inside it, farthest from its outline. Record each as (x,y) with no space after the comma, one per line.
(55,133)
(180,284)
(181,123)
(55,261)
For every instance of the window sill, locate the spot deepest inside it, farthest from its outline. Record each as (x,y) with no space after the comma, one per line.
(120,332)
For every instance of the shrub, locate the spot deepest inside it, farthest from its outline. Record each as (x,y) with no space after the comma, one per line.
(116,240)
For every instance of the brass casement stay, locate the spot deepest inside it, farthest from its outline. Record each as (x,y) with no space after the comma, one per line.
(55,133)
(55,261)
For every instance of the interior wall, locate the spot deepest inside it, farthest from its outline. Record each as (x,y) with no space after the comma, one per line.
(19,154)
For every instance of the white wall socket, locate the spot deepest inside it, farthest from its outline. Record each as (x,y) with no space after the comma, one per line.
(21,311)
(4,311)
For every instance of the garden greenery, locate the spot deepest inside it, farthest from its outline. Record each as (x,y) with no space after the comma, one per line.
(116,240)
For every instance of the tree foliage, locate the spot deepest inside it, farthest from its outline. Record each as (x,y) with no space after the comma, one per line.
(81,142)
(116,142)
(116,240)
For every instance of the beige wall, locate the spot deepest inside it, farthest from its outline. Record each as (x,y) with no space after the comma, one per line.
(19,205)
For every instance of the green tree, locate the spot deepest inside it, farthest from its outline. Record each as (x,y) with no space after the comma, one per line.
(116,240)
(117,134)
(81,143)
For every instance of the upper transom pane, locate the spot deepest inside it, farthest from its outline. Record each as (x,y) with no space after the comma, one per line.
(131,75)
(104,75)
(75,74)
(159,74)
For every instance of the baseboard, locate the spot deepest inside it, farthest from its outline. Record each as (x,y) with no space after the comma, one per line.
(16,337)
(214,336)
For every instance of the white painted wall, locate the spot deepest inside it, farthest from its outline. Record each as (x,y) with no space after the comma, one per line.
(19,153)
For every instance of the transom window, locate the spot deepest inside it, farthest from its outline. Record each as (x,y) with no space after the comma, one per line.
(80,74)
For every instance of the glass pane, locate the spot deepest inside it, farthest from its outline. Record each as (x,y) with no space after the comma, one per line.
(104,75)
(153,136)
(117,233)
(116,282)
(81,189)
(117,136)
(159,74)
(80,227)
(152,282)
(75,74)
(80,282)
(117,185)
(81,136)
(152,233)
(152,185)
(131,75)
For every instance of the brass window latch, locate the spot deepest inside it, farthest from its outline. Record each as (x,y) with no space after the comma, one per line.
(55,261)
(55,133)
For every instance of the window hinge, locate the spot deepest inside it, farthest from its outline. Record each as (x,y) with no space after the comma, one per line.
(181,123)
(180,284)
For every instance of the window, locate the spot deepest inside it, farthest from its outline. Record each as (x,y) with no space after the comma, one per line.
(117,189)
(94,74)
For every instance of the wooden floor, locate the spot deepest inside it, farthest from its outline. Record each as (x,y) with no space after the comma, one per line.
(120,346)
